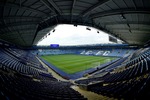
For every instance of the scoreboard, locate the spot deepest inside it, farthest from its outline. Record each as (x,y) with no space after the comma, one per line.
(54,45)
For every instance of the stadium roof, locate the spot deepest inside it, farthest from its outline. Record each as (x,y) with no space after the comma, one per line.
(25,22)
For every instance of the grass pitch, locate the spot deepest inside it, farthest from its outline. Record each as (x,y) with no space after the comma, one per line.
(75,63)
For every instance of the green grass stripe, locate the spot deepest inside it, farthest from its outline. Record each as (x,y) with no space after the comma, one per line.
(66,61)
(75,63)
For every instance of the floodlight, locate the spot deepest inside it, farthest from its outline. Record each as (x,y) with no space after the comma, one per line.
(88,28)
(53,30)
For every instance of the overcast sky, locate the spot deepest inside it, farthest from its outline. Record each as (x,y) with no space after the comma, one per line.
(71,35)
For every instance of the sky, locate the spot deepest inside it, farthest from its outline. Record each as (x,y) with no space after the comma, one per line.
(67,35)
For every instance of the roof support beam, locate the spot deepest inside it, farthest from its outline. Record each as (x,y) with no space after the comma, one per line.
(134,29)
(35,34)
(129,22)
(46,3)
(16,30)
(20,17)
(95,6)
(22,7)
(121,31)
(4,22)
(22,38)
(73,4)
(20,24)
(49,4)
(134,4)
(120,11)
(55,6)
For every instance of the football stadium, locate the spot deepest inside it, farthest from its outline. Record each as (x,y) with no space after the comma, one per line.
(43,58)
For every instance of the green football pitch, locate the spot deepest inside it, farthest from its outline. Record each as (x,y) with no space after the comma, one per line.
(75,63)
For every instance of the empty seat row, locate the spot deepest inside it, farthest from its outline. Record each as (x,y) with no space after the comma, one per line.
(14,87)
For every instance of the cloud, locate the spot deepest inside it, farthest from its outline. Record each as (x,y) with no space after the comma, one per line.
(71,35)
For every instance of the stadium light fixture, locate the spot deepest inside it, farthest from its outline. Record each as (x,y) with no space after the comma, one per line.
(53,30)
(75,25)
(88,28)
(97,31)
